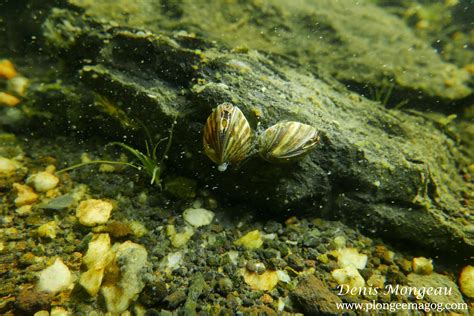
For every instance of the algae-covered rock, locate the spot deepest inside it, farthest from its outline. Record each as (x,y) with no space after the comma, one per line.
(397,174)
(357,42)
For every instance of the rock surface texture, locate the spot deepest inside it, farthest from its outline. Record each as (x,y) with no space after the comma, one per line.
(396,174)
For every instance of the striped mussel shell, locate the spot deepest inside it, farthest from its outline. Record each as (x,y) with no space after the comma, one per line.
(287,141)
(227,136)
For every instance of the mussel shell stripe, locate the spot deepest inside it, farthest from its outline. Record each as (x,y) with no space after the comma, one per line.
(287,141)
(227,135)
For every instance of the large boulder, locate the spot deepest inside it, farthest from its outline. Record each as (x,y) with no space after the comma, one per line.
(396,174)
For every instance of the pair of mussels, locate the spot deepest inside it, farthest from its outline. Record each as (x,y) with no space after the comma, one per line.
(228,138)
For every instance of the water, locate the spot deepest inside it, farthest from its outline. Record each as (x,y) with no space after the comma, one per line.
(111,202)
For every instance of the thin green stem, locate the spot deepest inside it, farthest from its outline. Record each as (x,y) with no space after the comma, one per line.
(96,162)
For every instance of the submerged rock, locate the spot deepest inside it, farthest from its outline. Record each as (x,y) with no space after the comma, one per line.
(397,174)
(314,298)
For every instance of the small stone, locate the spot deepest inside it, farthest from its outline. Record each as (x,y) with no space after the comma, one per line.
(175,299)
(435,288)
(7,69)
(11,171)
(225,285)
(29,301)
(25,195)
(198,217)
(314,298)
(55,278)
(171,262)
(351,257)
(178,240)
(115,228)
(422,265)
(99,253)
(18,85)
(261,282)
(283,276)
(98,256)
(92,212)
(41,313)
(138,229)
(466,281)
(377,281)
(251,240)
(24,210)
(91,280)
(128,275)
(59,311)
(338,242)
(8,99)
(43,181)
(48,230)
(348,276)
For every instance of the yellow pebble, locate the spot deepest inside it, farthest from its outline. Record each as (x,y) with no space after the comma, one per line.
(25,195)
(8,99)
(7,69)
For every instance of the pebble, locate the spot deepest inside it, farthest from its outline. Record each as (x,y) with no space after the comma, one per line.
(351,257)
(422,265)
(10,171)
(225,285)
(171,262)
(437,284)
(59,311)
(55,278)
(7,69)
(198,217)
(96,259)
(131,262)
(8,99)
(348,276)
(43,181)
(466,281)
(25,195)
(178,240)
(260,282)
(29,301)
(251,240)
(48,230)
(18,85)
(314,297)
(92,212)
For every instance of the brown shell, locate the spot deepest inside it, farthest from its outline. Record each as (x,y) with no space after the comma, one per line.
(287,141)
(227,136)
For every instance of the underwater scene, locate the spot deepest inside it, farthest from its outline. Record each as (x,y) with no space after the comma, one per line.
(236,157)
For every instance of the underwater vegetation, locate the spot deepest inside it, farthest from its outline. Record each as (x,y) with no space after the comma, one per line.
(148,161)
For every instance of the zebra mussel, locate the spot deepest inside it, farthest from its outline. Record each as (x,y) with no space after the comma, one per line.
(227,136)
(228,139)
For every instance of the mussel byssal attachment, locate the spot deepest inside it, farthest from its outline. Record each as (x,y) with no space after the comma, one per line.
(227,136)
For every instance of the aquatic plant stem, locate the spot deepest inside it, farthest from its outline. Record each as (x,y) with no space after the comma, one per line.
(96,162)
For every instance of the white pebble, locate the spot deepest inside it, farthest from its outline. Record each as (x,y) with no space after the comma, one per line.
(43,181)
(55,278)
(198,217)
